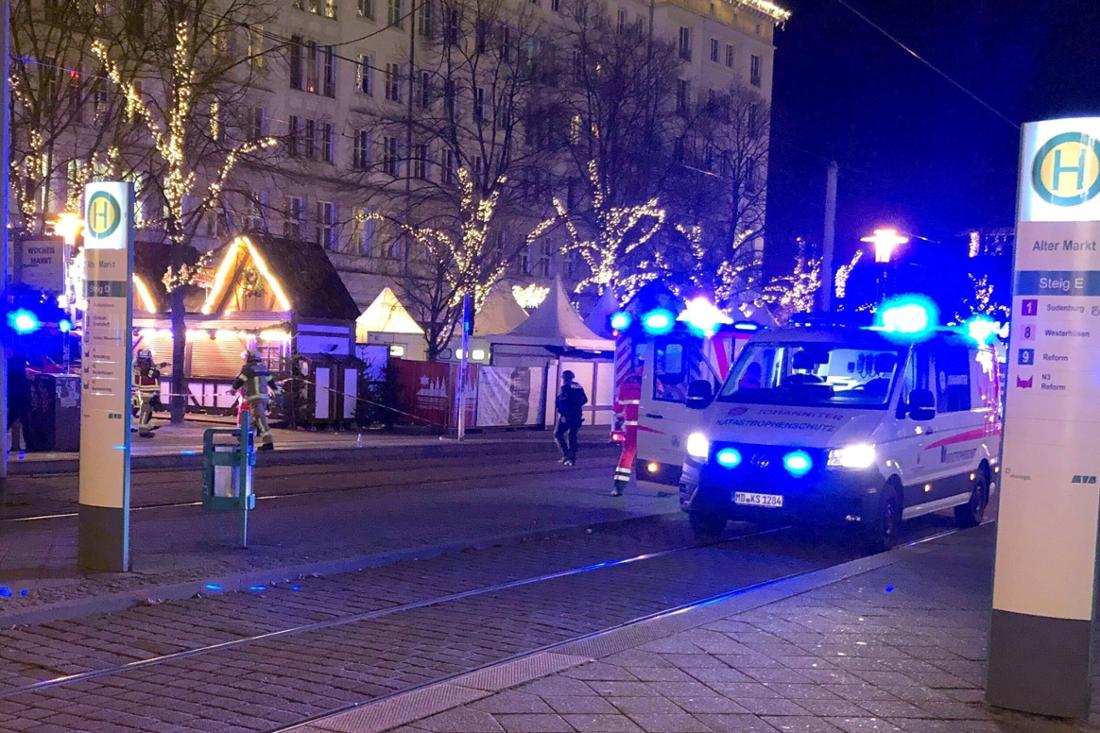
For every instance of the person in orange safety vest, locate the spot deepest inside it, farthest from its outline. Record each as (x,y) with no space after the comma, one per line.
(630,404)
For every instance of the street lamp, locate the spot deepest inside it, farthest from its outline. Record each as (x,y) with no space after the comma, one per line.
(68,226)
(884,242)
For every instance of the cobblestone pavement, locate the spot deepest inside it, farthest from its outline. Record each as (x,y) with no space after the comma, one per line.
(896,649)
(281,679)
(385,508)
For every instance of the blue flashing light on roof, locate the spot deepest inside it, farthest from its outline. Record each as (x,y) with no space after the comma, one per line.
(64,325)
(23,321)
(907,318)
(746,326)
(658,321)
(621,320)
(703,317)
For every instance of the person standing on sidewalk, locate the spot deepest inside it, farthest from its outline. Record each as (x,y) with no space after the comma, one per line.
(147,390)
(255,380)
(630,404)
(571,398)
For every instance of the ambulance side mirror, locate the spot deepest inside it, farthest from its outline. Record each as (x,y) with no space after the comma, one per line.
(922,404)
(700,393)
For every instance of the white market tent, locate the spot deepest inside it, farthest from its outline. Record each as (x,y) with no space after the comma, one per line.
(500,313)
(556,326)
(386,321)
(599,320)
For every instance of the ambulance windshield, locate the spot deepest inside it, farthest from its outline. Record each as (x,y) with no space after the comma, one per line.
(816,374)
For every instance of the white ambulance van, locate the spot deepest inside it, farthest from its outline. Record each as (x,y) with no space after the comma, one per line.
(844,425)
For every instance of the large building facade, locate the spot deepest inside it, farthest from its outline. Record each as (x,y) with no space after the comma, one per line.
(343,86)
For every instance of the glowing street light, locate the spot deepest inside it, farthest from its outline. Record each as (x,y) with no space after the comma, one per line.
(67,225)
(884,242)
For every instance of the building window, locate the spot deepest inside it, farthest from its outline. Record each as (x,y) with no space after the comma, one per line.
(367,241)
(452,26)
(366,9)
(425,89)
(257,211)
(257,48)
(310,134)
(257,126)
(683,90)
(295,213)
(326,224)
(395,14)
(330,72)
(390,161)
(424,19)
(729,55)
(295,62)
(327,142)
(505,43)
(361,152)
(294,130)
(620,20)
(330,9)
(393,82)
(555,5)
(364,75)
(714,48)
(447,166)
(420,162)
(685,43)
(479,104)
(311,66)
(755,70)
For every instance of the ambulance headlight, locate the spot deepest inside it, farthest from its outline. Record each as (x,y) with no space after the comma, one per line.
(698,446)
(857,455)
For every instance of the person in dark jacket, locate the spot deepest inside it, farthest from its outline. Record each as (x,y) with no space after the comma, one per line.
(19,400)
(571,398)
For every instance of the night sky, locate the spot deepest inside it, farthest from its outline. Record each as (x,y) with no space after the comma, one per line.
(914,151)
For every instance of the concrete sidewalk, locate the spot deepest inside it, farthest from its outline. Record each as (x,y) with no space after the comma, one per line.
(893,643)
(180,446)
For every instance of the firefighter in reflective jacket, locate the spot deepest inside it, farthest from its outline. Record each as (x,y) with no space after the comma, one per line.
(255,381)
(146,379)
(630,404)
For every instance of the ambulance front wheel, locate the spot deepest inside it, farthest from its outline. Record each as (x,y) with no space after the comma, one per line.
(707,526)
(883,530)
(970,514)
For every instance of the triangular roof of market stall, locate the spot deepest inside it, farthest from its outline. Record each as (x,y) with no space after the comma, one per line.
(556,324)
(599,320)
(387,315)
(500,313)
(294,277)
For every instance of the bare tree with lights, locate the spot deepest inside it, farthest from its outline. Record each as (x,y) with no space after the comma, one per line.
(189,97)
(459,159)
(66,124)
(458,261)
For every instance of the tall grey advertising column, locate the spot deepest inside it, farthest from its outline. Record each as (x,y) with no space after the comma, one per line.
(1044,585)
(104,524)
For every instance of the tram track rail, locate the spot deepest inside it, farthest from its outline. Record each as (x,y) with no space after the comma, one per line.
(584,472)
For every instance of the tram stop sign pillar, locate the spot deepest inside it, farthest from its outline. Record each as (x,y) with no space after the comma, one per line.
(1044,585)
(104,511)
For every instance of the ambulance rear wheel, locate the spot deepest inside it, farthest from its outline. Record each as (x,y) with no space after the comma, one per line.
(706,526)
(970,514)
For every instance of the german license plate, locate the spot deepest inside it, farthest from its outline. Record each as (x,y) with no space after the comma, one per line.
(749,499)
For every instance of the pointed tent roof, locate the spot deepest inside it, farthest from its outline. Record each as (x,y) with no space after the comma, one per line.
(599,320)
(386,315)
(555,324)
(499,314)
